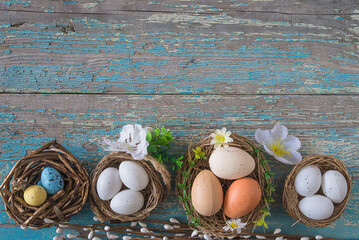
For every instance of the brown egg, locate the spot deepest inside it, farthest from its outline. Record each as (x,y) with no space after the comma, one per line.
(241,197)
(207,193)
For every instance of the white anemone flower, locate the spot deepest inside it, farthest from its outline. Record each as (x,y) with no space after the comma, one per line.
(278,144)
(234,224)
(132,140)
(221,136)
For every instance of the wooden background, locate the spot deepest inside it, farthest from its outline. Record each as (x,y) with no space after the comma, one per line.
(78,70)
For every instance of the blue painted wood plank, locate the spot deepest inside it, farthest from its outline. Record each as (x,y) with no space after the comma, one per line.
(325,124)
(169,53)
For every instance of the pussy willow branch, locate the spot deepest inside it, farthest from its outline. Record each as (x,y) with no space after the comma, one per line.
(160,233)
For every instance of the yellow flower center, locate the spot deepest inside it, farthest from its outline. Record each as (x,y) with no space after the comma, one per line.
(278,150)
(233,225)
(220,138)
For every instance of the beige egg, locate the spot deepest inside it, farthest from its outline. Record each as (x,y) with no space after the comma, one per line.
(207,193)
(231,163)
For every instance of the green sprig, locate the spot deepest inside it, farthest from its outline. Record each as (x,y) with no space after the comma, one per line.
(269,188)
(159,145)
(186,198)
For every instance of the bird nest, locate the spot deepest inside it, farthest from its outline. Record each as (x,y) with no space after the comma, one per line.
(291,198)
(58,207)
(156,191)
(214,224)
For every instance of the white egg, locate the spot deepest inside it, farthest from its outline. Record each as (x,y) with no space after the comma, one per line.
(231,163)
(316,207)
(127,202)
(334,186)
(133,175)
(308,181)
(108,183)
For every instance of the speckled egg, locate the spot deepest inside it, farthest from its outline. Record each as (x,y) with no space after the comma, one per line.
(308,181)
(39,183)
(51,180)
(231,163)
(242,197)
(127,202)
(316,207)
(35,195)
(108,183)
(334,186)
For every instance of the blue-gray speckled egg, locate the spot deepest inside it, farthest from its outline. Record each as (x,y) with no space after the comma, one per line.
(51,180)
(39,183)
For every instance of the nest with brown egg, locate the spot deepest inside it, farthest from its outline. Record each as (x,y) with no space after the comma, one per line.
(214,224)
(156,191)
(58,207)
(291,198)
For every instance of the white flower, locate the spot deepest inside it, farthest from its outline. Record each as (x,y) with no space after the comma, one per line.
(234,224)
(221,136)
(278,144)
(132,140)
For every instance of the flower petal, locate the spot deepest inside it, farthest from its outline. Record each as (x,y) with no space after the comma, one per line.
(291,143)
(263,137)
(279,132)
(292,159)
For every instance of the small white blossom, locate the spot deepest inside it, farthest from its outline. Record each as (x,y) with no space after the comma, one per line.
(132,140)
(221,136)
(234,224)
(278,144)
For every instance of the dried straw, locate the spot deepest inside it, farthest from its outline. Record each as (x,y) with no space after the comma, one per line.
(157,189)
(58,207)
(291,197)
(214,224)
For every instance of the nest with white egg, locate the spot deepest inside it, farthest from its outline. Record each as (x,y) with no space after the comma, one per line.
(158,187)
(57,207)
(292,199)
(214,224)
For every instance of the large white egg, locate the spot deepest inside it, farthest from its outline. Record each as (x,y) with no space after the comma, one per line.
(108,183)
(308,181)
(231,163)
(127,202)
(133,175)
(316,207)
(334,186)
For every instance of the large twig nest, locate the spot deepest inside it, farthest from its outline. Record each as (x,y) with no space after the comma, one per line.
(291,198)
(156,191)
(214,224)
(58,207)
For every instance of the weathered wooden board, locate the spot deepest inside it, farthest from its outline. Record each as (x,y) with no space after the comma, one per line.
(82,69)
(325,124)
(150,52)
(178,6)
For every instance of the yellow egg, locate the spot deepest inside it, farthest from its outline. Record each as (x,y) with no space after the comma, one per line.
(35,195)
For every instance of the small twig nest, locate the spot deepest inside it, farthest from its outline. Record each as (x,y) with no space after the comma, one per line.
(156,191)
(291,198)
(58,207)
(214,224)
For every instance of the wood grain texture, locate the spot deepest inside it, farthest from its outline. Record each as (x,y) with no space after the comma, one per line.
(304,7)
(150,52)
(78,70)
(325,124)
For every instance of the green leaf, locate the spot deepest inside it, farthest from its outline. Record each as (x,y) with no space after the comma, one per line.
(156,133)
(160,141)
(149,137)
(151,149)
